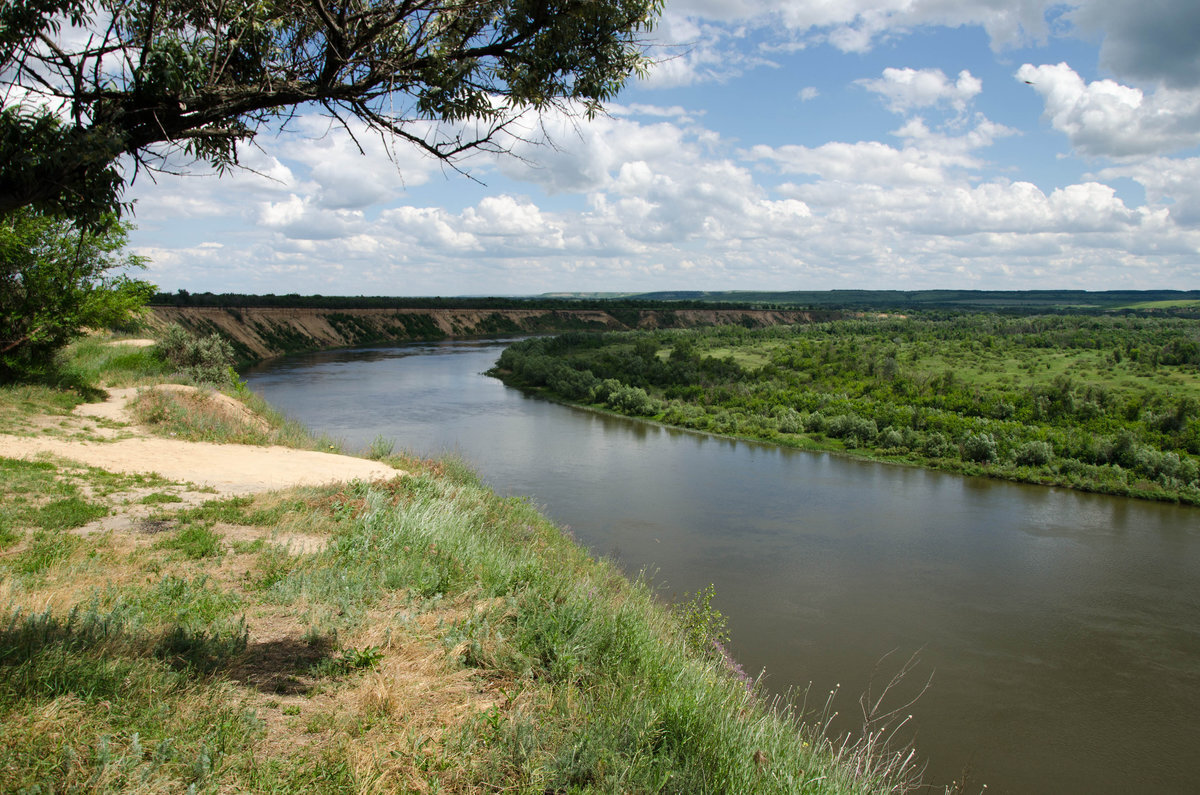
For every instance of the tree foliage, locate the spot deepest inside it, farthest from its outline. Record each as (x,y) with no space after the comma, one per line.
(1103,403)
(87,81)
(56,280)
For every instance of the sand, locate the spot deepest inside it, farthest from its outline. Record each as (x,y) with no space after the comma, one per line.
(117,444)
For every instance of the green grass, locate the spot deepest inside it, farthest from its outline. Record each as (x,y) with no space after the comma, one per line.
(194,419)
(1164,304)
(195,541)
(92,360)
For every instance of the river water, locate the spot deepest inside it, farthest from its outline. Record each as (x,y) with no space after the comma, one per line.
(1058,632)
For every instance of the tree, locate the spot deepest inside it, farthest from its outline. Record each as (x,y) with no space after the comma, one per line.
(56,280)
(87,81)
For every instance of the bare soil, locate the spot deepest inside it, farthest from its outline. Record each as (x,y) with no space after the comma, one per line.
(104,435)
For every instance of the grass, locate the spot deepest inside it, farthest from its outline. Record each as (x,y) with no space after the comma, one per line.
(201,417)
(438,638)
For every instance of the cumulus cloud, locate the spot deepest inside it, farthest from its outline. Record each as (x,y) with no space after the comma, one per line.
(649,198)
(354,168)
(905,90)
(1105,118)
(1171,184)
(927,157)
(300,218)
(858,25)
(1146,41)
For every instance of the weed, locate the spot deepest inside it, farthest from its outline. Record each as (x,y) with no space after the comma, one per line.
(159,498)
(67,514)
(381,448)
(704,626)
(46,550)
(349,661)
(195,540)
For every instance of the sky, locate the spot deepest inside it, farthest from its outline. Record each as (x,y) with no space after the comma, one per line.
(774,145)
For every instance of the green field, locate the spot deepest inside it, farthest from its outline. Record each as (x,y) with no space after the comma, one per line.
(1099,403)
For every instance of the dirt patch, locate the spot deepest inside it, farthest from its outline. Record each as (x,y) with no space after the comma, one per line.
(228,469)
(132,343)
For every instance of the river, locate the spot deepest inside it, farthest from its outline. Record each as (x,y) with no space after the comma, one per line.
(1058,632)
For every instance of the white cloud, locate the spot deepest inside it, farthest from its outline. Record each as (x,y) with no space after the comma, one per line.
(299,218)
(905,90)
(927,158)
(808,93)
(858,25)
(350,177)
(1105,118)
(648,198)
(1171,184)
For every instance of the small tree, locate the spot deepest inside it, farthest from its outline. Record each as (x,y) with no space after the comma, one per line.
(56,281)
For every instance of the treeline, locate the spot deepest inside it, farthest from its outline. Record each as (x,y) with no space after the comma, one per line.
(1016,302)
(1095,403)
(183,298)
(1010,301)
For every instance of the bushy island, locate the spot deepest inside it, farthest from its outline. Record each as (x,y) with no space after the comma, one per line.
(1093,402)
(414,635)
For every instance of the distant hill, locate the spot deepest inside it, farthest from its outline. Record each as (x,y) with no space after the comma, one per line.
(1177,301)
(932,299)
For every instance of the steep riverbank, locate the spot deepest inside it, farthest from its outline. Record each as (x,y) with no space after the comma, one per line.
(258,333)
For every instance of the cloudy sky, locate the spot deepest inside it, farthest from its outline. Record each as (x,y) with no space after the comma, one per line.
(777,145)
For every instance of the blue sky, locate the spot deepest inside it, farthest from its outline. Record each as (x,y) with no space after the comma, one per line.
(777,145)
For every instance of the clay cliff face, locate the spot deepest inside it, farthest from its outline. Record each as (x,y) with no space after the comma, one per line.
(261,333)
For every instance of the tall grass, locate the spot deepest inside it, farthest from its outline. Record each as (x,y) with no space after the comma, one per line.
(196,417)
(613,698)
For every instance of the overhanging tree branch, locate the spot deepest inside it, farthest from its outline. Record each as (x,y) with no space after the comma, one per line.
(204,76)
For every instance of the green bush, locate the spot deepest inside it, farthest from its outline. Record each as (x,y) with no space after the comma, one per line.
(1035,453)
(205,360)
(631,400)
(937,445)
(979,447)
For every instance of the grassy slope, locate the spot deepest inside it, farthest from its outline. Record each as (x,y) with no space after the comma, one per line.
(422,635)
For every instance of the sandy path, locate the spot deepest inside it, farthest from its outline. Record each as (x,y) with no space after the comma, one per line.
(228,468)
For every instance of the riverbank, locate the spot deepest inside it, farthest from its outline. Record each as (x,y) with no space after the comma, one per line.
(413,633)
(258,333)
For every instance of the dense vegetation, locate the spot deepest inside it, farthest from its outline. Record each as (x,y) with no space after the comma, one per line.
(1107,404)
(58,278)
(912,300)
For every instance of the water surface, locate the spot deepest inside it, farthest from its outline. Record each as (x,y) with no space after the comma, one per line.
(1061,630)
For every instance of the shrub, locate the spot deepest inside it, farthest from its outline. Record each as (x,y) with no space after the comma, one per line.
(1035,454)
(852,426)
(603,390)
(205,360)
(631,400)
(889,438)
(980,447)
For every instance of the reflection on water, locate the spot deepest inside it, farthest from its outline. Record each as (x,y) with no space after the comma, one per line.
(1061,629)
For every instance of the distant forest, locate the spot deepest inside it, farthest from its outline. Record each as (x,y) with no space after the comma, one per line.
(1184,303)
